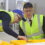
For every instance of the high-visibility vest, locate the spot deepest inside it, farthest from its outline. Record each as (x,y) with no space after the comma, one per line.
(11,14)
(34,31)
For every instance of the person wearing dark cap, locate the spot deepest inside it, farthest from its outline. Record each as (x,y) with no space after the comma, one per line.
(34,26)
(7,18)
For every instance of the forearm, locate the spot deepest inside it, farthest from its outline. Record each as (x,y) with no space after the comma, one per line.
(8,30)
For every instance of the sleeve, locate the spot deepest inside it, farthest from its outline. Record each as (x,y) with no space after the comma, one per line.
(7,29)
(44,25)
(21,31)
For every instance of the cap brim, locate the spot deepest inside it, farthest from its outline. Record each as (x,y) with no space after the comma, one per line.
(23,19)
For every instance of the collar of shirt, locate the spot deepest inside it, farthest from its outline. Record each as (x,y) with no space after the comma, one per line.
(29,19)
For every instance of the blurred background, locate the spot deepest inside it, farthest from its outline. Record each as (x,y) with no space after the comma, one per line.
(39,7)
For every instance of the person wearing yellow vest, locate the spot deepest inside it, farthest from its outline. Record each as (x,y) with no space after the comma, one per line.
(34,26)
(7,18)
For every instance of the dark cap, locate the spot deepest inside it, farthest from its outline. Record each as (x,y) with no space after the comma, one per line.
(20,13)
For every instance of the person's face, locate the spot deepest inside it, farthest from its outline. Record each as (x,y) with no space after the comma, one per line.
(17,18)
(28,12)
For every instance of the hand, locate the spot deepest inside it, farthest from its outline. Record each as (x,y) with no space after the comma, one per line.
(22,38)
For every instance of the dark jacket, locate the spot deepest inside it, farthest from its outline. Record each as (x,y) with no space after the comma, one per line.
(5,17)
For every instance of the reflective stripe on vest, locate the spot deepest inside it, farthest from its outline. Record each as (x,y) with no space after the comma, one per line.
(39,24)
(34,34)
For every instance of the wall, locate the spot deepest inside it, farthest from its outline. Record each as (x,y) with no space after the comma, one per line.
(12,4)
(39,6)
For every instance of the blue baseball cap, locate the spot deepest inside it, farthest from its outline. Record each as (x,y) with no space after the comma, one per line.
(20,13)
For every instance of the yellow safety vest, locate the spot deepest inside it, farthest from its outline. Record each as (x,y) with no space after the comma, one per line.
(32,32)
(12,19)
